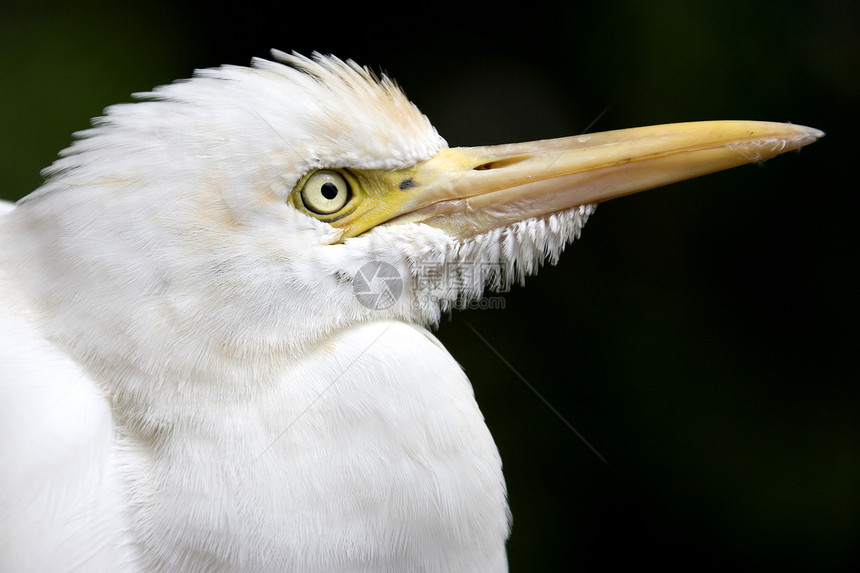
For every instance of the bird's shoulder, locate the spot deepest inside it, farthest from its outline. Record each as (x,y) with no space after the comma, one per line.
(57,487)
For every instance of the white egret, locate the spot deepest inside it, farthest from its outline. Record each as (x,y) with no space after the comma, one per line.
(199,371)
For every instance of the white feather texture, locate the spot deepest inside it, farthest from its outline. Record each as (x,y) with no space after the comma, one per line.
(189,382)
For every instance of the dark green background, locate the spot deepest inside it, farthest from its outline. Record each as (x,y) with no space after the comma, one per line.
(702,337)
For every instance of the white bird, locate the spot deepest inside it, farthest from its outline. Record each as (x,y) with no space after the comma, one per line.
(196,372)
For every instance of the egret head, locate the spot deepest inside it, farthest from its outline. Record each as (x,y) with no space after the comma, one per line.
(239,208)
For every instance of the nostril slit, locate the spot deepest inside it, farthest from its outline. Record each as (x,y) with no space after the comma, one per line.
(499,163)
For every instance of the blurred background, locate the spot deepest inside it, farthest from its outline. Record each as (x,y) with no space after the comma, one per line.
(702,337)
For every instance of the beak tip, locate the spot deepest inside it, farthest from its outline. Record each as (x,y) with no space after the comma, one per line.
(805,135)
(815,134)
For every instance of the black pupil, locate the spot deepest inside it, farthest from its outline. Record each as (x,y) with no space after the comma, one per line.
(329,190)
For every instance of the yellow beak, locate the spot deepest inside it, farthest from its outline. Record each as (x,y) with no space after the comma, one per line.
(468,191)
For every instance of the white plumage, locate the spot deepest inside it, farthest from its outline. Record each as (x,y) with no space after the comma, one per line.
(189,382)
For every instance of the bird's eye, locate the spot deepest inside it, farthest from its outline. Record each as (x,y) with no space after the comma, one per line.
(326,192)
